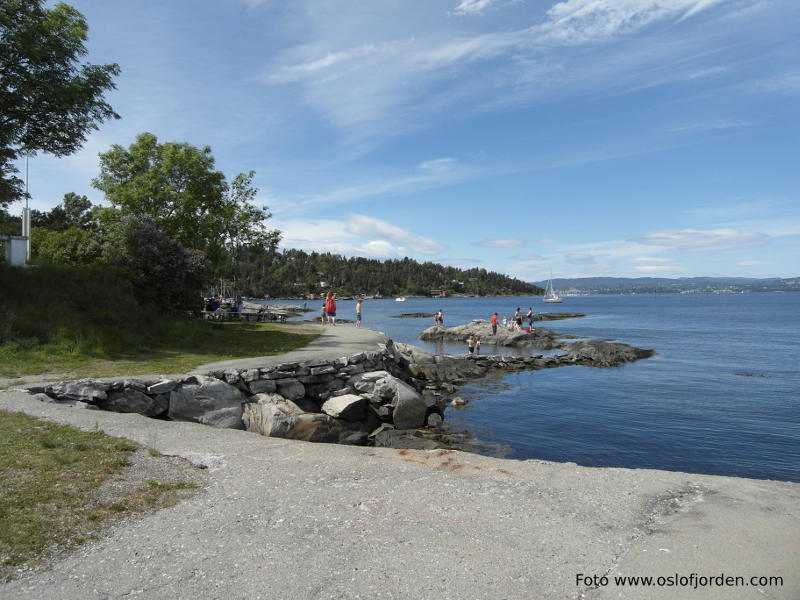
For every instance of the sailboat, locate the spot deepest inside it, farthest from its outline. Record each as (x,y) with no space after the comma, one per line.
(550,295)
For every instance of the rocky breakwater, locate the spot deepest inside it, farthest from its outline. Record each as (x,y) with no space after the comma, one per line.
(366,398)
(453,368)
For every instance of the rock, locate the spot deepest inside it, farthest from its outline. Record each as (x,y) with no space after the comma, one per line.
(348,407)
(357,438)
(262,386)
(192,401)
(599,353)
(71,403)
(275,416)
(164,386)
(434,420)
(291,388)
(134,401)
(409,407)
(82,390)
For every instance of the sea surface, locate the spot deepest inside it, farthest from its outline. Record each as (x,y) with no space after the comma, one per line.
(721,396)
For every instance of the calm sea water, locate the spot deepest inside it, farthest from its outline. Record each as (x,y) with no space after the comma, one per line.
(722,396)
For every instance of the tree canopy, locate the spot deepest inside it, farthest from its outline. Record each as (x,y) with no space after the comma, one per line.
(175,185)
(49,100)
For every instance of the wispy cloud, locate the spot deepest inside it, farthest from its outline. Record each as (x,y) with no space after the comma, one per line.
(471,7)
(700,240)
(502,243)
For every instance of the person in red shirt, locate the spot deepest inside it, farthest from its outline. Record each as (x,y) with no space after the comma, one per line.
(494,324)
(330,309)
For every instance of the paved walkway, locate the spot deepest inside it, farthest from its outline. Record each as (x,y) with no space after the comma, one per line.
(342,340)
(284,519)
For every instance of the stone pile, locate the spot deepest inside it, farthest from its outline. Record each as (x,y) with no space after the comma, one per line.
(383,397)
(348,400)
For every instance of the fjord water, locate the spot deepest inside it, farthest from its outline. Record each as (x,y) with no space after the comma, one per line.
(722,395)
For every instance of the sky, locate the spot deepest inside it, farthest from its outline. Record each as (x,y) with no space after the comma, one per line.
(627,138)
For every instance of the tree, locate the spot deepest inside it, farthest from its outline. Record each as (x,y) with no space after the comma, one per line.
(49,101)
(176,186)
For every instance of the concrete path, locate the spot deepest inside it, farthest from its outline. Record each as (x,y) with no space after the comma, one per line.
(341,340)
(285,519)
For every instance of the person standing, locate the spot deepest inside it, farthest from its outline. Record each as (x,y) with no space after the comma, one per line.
(330,308)
(518,319)
(530,317)
(494,324)
(477,344)
(358,311)
(470,344)
(323,315)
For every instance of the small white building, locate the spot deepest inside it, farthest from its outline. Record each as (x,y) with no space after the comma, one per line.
(16,249)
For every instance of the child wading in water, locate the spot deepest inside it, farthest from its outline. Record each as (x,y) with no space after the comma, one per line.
(358,311)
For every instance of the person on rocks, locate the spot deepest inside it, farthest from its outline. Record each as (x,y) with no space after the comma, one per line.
(477,344)
(529,316)
(358,311)
(470,344)
(518,319)
(494,324)
(330,308)
(438,318)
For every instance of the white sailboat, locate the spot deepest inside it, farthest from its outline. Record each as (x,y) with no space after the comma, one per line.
(550,295)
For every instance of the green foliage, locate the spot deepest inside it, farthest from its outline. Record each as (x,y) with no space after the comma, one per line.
(175,185)
(297,273)
(49,101)
(72,246)
(162,272)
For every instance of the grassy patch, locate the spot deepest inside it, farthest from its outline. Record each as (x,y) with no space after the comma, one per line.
(186,345)
(85,321)
(49,478)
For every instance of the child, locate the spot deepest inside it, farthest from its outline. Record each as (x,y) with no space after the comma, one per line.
(358,311)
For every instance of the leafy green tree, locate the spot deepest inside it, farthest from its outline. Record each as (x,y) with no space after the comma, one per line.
(49,101)
(176,186)
(72,246)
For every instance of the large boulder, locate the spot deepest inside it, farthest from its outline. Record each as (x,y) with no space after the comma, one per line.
(207,400)
(347,406)
(275,416)
(133,401)
(83,390)
(599,353)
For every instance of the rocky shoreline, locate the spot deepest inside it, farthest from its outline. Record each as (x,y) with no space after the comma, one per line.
(394,396)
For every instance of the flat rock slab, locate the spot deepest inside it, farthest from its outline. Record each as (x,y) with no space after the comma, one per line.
(289,519)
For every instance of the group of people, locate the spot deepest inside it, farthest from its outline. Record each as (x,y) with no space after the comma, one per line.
(474,344)
(328,311)
(514,323)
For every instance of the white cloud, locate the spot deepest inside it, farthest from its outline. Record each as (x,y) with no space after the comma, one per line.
(438,165)
(654,268)
(699,240)
(361,225)
(649,259)
(580,258)
(471,7)
(502,243)
(359,235)
(584,21)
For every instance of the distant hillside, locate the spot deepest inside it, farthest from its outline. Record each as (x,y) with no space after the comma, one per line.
(294,273)
(622,285)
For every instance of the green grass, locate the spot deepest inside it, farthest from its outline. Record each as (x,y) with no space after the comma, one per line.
(190,343)
(48,478)
(85,321)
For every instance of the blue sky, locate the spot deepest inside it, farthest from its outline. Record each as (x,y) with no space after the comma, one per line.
(587,137)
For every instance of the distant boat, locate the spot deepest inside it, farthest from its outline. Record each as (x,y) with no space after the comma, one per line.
(550,295)
(400,299)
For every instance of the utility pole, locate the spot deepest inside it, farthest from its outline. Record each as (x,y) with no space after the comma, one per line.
(26,215)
